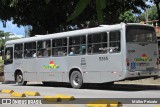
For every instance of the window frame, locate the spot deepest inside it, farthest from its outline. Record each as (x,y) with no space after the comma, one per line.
(77,45)
(34,48)
(8,61)
(59,54)
(19,50)
(42,50)
(98,43)
(120,38)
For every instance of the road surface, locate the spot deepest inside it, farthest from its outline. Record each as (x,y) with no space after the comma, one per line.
(117,91)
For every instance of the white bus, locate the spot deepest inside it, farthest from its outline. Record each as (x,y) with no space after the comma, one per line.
(102,54)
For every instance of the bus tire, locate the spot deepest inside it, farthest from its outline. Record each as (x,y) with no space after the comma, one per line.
(76,80)
(20,80)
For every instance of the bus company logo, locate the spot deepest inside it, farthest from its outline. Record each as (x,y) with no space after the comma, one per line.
(51,65)
(144,57)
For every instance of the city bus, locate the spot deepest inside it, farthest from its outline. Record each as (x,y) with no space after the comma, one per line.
(102,55)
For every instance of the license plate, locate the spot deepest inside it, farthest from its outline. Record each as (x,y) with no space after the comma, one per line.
(144,64)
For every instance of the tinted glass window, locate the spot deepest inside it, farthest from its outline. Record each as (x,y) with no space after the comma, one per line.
(30,50)
(43,48)
(18,51)
(77,45)
(114,41)
(8,55)
(59,47)
(97,43)
(140,34)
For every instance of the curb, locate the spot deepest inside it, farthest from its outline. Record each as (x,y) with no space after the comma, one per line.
(65,97)
(7,91)
(59,98)
(32,93)
(51,99)
(16,94)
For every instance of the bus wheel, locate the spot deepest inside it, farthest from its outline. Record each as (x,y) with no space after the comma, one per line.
(20,80)
(76,79)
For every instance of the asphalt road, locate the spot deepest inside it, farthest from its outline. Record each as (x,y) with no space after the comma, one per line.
(117,91)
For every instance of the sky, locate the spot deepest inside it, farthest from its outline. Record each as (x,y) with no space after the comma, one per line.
(13,29)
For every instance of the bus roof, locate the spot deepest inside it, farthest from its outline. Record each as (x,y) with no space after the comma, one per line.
(101,28)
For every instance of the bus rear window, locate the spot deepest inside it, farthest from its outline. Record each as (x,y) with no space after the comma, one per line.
(140,34)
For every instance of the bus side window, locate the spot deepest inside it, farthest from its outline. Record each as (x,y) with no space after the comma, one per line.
(44,48)
(59,47)
(97,43)
(29,49)
(77,45)
(18,51)
(114,39)
(8,55)
(82,45)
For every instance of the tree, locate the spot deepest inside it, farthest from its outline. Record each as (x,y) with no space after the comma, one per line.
(82,4)
(43,17)
(50,16)
(127,16)
(3,37)
(110,7)
(152,15)
(157,3)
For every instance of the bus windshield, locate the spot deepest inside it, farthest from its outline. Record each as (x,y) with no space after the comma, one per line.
(136,34)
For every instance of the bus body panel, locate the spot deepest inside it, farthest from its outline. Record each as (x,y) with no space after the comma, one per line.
(142,61)
(95,68)
(9,73)
(143,56)
(142,51)
(42,69)
(98,68)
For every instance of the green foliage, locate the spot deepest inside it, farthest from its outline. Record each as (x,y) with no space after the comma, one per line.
(82,4)
(50,16)
(127,17)
(100,4)
(152,15)
(112,9)
(45,16)
(78,9)
(3,35)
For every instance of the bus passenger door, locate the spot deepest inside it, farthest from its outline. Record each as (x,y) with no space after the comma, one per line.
(8,64)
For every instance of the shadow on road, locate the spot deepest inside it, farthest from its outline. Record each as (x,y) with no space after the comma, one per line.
(115,87)
(130,87)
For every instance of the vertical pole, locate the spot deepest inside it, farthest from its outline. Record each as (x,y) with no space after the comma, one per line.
(146,16)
